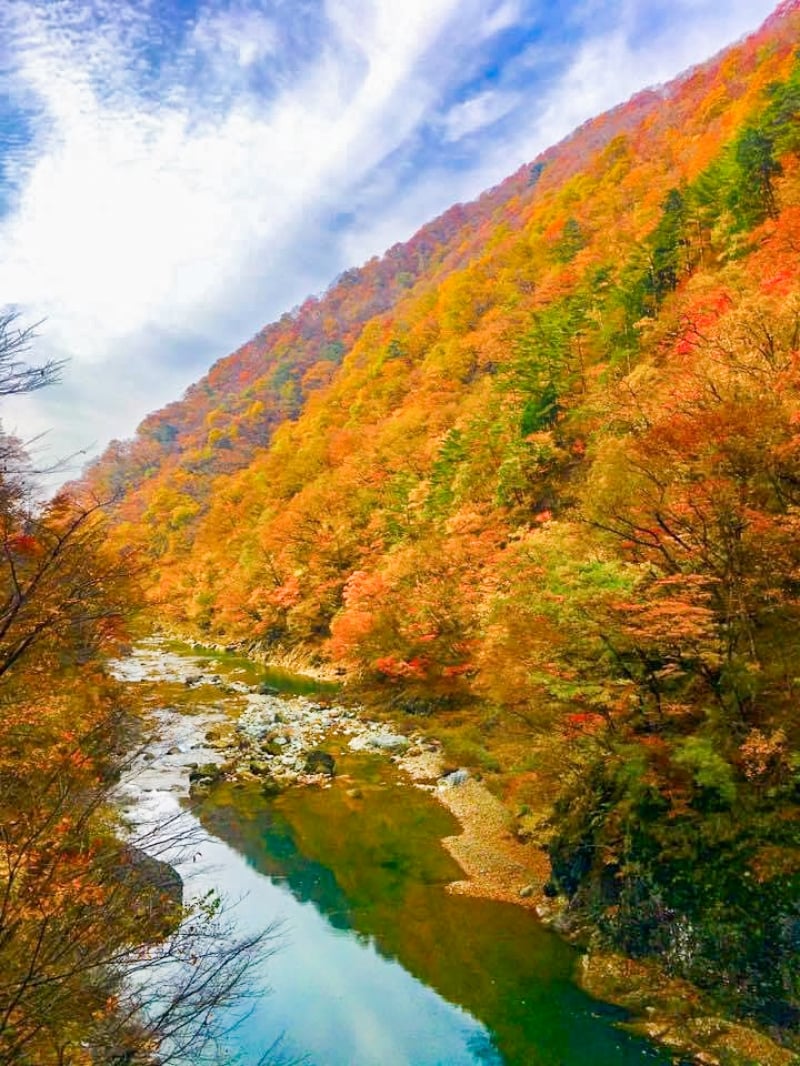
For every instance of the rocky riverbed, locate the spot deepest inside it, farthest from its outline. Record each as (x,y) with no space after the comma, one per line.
(288,741)
(293,741)
(224,729)
(206,724)
(233,730)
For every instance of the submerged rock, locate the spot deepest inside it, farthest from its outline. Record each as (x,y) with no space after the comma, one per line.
(265,689)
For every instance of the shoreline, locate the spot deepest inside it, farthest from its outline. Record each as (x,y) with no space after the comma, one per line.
(495,864)
(293,660)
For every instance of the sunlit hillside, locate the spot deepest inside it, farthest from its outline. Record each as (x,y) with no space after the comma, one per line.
(534,476)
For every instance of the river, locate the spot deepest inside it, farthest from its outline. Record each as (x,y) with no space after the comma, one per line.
(376,964)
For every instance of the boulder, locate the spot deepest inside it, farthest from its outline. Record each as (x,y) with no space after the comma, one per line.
(260,769)
(155,889)
(390,742)
(153,875)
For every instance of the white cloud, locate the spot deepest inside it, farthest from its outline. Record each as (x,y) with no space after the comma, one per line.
(133,217)
(609,66)
(246,36)
(504,17)
(477,112)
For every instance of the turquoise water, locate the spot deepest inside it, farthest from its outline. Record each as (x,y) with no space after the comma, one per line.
(376,964)
(380,964)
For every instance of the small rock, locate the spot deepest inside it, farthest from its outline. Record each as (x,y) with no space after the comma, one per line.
(260,769)
(455,778)
(208,773)
(320,762)
(355,793)
(526,892)
(265,689)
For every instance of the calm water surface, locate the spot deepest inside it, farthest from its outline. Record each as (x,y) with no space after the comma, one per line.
(375,963)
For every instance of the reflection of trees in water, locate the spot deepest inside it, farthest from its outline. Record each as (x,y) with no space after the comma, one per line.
(377,869)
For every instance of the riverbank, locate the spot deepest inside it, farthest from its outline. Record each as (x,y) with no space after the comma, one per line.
(497,865)
(352,866)
(298,660)
(283,742)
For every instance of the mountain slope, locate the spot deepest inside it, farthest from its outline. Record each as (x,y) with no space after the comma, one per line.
(537,471)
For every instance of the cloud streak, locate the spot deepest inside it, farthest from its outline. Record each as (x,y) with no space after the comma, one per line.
(176,176)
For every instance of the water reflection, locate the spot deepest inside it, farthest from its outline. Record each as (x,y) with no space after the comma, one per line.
(378,965)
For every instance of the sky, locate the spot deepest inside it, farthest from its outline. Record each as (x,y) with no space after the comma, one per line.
(175,174)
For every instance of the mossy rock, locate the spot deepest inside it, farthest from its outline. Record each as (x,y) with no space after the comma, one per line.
(675,1013)
(320,762)
(260,769)
(209,772)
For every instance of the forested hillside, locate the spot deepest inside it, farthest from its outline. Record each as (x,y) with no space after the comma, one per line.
(538,471)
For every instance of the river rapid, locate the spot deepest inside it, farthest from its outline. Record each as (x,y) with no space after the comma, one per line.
(375,962)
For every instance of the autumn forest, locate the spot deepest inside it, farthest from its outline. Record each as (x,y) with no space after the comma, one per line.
(529,482)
